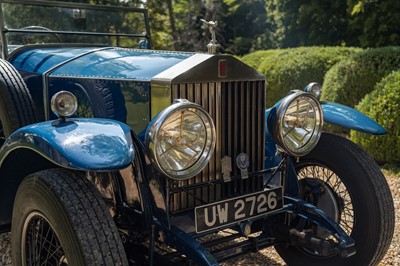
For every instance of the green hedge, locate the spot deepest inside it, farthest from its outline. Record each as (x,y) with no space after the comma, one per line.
(351,79)
(383,105)
(254,59)
(294,68)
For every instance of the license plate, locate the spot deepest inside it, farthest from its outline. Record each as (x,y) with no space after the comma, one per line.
(237,209)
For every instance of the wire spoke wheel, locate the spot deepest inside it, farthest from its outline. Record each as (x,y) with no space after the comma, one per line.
(343,181)
(341,197)
(322,187)
(42,246)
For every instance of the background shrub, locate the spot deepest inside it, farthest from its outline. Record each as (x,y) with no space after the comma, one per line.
(383,105)
(255,58)
(351,79)
(294,68)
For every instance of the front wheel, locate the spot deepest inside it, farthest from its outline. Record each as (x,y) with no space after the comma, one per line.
(343,181)
(60,219)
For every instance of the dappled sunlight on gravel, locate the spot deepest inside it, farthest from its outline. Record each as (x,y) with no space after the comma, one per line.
(5,249)
(266,257)
(393,255)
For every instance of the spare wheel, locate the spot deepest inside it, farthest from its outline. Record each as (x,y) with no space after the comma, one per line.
(16,105)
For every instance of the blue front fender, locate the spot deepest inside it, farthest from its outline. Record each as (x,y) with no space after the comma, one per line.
(82,144)
(334,113)
(344,116)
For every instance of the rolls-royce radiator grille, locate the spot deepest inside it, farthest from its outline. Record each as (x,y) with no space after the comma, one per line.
(238,110)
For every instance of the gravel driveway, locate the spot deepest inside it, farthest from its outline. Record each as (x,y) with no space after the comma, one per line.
(269,256)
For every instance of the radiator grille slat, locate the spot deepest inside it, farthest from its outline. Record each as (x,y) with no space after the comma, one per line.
(237,109)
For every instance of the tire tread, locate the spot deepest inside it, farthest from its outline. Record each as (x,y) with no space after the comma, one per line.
(91,221)
(382,190)
(18,103)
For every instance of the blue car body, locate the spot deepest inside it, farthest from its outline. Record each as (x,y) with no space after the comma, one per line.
(126,72)
(137,68)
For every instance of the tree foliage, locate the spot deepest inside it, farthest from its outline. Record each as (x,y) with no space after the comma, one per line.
(248,25)
(306,22)
(177,25)
(243,21)
(374,23)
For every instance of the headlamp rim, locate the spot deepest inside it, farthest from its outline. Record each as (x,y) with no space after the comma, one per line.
(158,122)
(54,99)
(309,89)
(280,114)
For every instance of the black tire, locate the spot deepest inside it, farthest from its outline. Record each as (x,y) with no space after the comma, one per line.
(16,105)
(369,218)
(106,99)
(100,95)
(63,206)
(96,98)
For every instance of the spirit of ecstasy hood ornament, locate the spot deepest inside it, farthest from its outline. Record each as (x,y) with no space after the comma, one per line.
(213,46)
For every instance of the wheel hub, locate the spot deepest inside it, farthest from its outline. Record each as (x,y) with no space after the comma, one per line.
(320,194)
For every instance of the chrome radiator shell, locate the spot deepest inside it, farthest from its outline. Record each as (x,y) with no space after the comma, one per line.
(236,102)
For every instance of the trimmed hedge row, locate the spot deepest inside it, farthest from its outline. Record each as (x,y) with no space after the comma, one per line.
(349,74)
(293,68)
(382,105)
(351,79)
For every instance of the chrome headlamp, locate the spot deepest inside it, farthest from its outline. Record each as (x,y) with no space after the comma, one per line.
(299,123)
(64,104)
(315,89)
(181,140)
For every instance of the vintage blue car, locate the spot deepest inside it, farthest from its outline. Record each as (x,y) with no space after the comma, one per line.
(115,154)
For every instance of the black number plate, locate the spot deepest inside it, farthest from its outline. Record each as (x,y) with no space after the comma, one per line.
(234,210)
